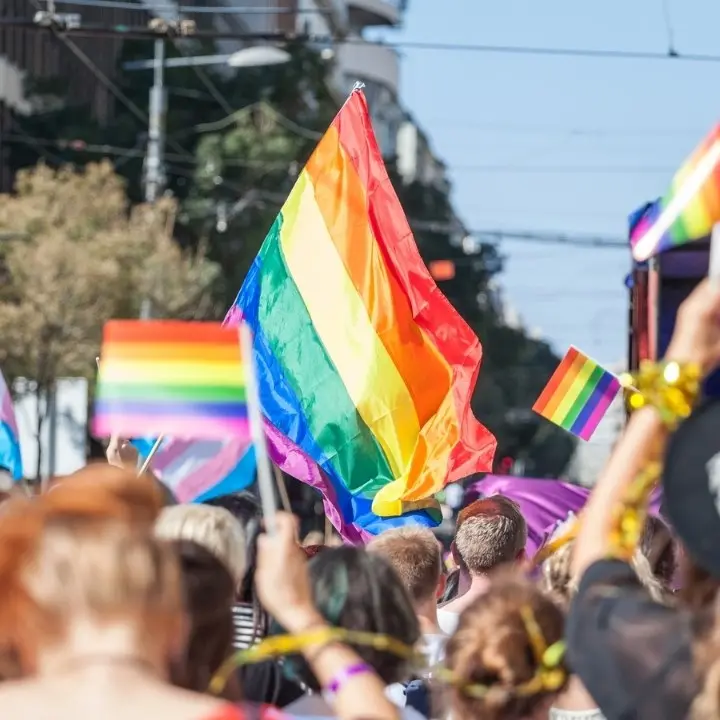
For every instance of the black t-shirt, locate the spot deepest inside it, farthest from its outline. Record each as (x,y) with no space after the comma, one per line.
(632,654)
(265,683)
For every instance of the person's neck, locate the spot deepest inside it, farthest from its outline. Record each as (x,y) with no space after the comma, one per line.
(477,585)
(88,648)
(427,617)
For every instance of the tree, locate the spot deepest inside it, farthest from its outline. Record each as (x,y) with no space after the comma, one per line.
(73,255)
(233,173)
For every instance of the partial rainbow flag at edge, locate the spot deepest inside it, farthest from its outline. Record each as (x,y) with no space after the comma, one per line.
(578,394)
(10,456)
(688,211)
(366,377)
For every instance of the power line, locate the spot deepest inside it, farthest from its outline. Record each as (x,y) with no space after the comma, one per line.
(577,131)
(326,40)
(105,80)
(193,9)
(484,235)
(566,169)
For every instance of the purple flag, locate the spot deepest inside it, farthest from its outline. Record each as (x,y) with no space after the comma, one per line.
(542,502)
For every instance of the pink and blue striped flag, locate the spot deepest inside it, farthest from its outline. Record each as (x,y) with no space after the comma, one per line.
(10,458)
(199,470)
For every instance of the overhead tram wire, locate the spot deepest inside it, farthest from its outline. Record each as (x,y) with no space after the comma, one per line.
(105,80)
(192,9)
(143,33)
(490,236)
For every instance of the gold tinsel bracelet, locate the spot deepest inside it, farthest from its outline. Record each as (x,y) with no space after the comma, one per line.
(672,388)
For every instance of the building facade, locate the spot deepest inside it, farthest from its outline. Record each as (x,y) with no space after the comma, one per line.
(28,51)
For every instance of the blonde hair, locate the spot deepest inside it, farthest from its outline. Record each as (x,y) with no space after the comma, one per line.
(415,555)
(558,581)
(490,532)
(213,528)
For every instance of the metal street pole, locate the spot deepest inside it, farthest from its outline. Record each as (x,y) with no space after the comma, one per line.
(154,168)
(154,164)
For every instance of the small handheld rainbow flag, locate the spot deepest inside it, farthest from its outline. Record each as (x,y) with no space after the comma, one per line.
(182,379)
(578,394)
(689,210)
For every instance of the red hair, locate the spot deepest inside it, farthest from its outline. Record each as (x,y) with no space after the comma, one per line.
(82,506)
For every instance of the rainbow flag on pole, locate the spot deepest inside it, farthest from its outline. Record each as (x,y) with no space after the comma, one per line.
(578,394)
(182,379)
(690,208)
(365,369)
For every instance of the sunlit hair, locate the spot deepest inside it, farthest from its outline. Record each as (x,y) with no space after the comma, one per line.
(415,555)
(492,648)
(557,580)
(84,550)
(490,532)
(214,528)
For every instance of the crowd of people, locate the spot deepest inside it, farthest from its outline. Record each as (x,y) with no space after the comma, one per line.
(117,603)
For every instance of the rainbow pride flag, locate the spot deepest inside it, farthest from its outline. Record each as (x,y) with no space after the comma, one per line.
(365,369)
(182,379)
(578,394)
(690,208)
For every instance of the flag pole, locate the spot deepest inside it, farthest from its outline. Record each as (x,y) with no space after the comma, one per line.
(282,489)
(146,464)
(257,431)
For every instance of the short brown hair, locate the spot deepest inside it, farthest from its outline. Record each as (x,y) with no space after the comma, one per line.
(415,555)
(490,532)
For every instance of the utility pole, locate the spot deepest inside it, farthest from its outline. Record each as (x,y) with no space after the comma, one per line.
(154,165)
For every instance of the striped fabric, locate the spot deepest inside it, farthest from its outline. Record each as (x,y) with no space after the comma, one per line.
(248,630)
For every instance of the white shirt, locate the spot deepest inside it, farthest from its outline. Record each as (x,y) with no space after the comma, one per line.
(448,621)
(432,647)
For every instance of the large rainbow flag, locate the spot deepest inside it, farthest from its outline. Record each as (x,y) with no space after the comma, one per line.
(365,369)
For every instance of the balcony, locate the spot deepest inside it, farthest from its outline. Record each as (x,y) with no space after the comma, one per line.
(370,63)
(372,13)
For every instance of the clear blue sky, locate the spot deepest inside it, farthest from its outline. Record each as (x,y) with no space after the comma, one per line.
(545,113)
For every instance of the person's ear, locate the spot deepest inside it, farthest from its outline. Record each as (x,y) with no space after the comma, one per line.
(455,555)
(442,582)
(521,556)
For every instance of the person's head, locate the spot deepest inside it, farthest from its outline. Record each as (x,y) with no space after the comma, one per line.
(490,533)
(557,581)
(212,527)
(556,577)
(357,590)
(416,556)
(493,659)
(245,508)
(80,574)
(209,593)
